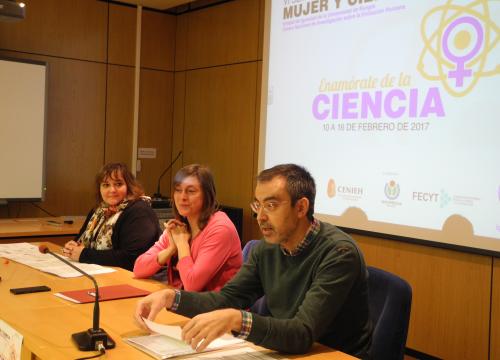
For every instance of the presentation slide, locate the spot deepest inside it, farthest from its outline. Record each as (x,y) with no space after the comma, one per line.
(394,108)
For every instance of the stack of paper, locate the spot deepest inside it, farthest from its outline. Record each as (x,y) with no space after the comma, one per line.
(165,342)
(28,254)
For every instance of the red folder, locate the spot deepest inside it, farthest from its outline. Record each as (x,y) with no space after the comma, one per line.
(111,292)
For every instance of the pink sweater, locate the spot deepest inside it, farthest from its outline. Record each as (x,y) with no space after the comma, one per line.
(215,257)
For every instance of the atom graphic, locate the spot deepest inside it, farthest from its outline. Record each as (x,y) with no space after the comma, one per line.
(459,51)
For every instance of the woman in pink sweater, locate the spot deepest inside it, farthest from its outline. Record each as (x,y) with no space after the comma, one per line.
(200,247)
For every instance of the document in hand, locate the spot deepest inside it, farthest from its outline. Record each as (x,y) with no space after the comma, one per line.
(165,342)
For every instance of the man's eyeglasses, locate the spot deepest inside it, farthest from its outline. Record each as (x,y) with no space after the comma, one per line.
(268,206)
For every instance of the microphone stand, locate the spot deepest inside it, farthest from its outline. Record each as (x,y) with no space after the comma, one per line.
(158,195)
(93,338)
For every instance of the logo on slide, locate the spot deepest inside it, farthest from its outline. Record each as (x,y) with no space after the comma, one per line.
(444,199)
(331,188)
(346,192)
(458,51)
(391,190)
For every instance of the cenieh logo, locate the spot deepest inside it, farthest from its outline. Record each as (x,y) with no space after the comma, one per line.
(392,190)
(348,192)
(331,190)
(304,8)
(460,45)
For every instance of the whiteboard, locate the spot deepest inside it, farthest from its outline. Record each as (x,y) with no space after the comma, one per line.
(22,129)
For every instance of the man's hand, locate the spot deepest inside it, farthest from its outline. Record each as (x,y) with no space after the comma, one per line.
(201,330)
(152,304)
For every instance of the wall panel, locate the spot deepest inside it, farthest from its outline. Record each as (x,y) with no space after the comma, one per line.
(219,129)
(178,124)
(74,135)
(158,41)
(262,14)
(119,114)
(255,232)
(75,29)
(451,292)
(181,43)
(155,127)
(222,34)
(122,28)
(495,312)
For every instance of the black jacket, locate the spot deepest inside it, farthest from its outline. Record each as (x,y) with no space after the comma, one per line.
(135,231)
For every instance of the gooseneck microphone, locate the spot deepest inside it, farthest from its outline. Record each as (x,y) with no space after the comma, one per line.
(94,338)
(158,195)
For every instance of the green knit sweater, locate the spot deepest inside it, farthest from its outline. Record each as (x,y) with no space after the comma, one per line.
(319,295)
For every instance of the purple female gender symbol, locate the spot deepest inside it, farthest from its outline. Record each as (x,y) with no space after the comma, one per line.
(460,73)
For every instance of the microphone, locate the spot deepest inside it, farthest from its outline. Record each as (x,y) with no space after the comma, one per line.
(94,338)
(158,195)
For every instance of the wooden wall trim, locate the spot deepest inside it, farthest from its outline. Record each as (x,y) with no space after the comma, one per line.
(451,296)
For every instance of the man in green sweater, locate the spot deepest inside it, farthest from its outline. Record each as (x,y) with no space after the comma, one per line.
(313,275)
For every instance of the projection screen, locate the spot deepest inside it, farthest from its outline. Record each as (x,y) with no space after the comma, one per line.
(22,129)
(394,108)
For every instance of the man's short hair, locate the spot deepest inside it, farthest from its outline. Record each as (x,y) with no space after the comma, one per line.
(299,183)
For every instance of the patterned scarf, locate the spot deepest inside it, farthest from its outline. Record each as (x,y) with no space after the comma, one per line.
(99,230)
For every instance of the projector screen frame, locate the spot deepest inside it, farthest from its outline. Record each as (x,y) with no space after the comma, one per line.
(43,184)
(266,50)
(424,242)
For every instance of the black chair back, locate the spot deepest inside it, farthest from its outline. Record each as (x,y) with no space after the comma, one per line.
(390,305)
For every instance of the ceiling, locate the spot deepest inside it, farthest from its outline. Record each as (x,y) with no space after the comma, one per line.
(157,4)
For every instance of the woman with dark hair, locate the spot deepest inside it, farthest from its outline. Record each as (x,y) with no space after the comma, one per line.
(200,247)
(120,227)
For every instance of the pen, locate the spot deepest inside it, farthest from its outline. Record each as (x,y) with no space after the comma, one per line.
(53,223)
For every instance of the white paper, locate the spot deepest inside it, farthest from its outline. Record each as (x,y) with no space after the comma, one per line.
(244,353)
(28,254)
(160,346)
(66,298)
(175,331)
(10,342)
(166,342)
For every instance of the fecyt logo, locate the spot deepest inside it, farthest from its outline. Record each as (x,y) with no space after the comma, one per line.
(445,198)
(425,196)
(391,190)
(459,45)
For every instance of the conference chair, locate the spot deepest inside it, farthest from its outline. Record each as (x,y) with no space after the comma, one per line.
(390,305)
(260,306)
